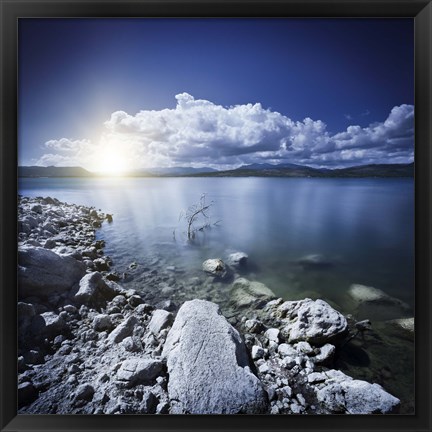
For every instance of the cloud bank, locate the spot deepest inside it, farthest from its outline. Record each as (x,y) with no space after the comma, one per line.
(200,133)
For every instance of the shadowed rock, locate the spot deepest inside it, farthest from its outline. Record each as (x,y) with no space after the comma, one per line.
(42,272)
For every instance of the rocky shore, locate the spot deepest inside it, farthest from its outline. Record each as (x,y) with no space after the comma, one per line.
(89,346)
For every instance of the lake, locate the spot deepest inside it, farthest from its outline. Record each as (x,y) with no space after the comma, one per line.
(363,230)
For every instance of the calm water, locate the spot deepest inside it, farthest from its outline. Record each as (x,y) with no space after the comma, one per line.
(364,227)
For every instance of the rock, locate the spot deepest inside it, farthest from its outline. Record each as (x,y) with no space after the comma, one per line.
(362,397)
(135,300)
(27,393)
(167,305)
(314,261)
(303,348)
(325,355)
(341,393)
(272,334)
(311,321)
(264,368)
(37,208)
(101,264)
(237,259)
(42,272)
(130,345)
(160,320)
(254,326)
(48,324)
(149,403)
(257,352)
(143,309)
(404,323)
(34,356)
(374,304)
(246,293)
(215,267)
(123,330)
(94,291)
(50,244)
(286,350)
(26,312)
(84,392)
(102,322)
(136,371)
(208,365)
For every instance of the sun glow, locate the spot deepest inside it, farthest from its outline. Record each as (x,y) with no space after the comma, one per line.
(112,162)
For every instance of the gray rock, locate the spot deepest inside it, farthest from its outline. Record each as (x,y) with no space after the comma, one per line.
(102,322)
(237,259)
(136,371)
(286,350)
(27,393)
(362,397)
(94,291)
(314,261)
(160,320)
(272,334)
(37,208)
(208,364)
(326,354)
(254,326)
(341,393)
(84,392)
(123,330)
(303,348)
(48,324)
(257,352)
(312,321)
(404,323)
(215,267)
(149,403)
(135,300)
(374,304)
(42,272)
(246,293)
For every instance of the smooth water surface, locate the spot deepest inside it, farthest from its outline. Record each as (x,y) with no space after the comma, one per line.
(363,227)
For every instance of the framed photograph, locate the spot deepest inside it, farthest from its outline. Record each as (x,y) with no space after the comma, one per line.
(216,216)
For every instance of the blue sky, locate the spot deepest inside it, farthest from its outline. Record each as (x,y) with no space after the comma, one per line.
(129,93)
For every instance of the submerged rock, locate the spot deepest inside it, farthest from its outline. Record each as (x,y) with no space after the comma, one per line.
(215,267)
(373,303)
(42,272)
(237,259)
(316,261)
(246,293)
(208,365)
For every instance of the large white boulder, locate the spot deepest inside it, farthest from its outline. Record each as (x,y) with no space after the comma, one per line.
(337,392)
(314,321)
(208,365)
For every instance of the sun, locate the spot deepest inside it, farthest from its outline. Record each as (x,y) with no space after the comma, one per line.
(112,162)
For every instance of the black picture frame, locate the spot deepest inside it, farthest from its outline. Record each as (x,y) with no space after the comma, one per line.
(11,10)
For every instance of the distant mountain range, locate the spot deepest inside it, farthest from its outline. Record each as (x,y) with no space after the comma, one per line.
(291,170)
(253,170)
(53,171)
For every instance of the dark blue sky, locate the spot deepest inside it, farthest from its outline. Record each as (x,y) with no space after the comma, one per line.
(75,73)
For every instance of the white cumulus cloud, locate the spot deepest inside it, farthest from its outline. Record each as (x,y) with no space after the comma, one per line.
(198,132)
